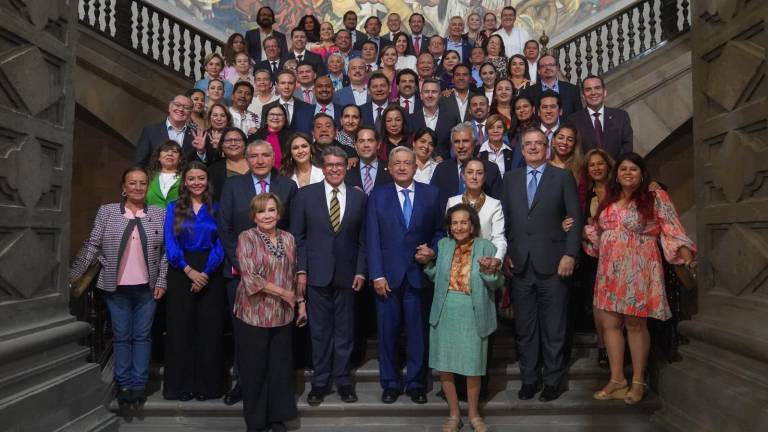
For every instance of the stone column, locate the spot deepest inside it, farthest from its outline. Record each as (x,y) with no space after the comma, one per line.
(46,384)
(722,382)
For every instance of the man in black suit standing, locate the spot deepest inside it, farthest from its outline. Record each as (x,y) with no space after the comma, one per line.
(173,128)
(407,83)
(548,70)
(274,58)
(371,171)
(372,33)
(324,95)
(324,135)
(299,112)
(255,38)
(330,217)
(299,52)
(541,257)
(432,116)
(350,23)
(455,40)
(448,175)
(419,42)
(601,127)
(233,217)
(378,90)
(458,101)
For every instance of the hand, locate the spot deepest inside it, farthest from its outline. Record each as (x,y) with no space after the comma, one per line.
(382,287)
(215,137)
(198,139)
(424,254)
(301,315)
(159,293)
(565,269)
(438,159)
(447,92)
(288,297)
(252,131)
(358,283)
(352,162)
(653,186)
(198,278)
(508,266)
(589,232)
(489,265)
(301,284)
(567,223)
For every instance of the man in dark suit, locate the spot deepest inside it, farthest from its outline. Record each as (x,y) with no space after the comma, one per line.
(378,90)
(404,218)
(299,112)
(234,216)
(601,127)
(455,41)
(394,25)
(478,111)
(419,42)
(299,52)
(343,40)
(265,18)
(569,93)
(331,218)
(458,101)
(425,67)
(274,59)
(439,120)
(324,135)
(357,91)
(350,23)
(372,33)
(541,256)
(407,83)
(325,104)
(371,171)
(448,174)
(173,128)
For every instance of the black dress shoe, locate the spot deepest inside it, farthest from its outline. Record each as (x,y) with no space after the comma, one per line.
(234,396)
(138,396)
(347,394)
(124,396)
(202,397)
(528,391)
(550,393)
(418,396)
(389,396)
(186,396)
(278,427)
(316,396)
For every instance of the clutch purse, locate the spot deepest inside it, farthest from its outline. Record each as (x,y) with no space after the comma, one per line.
(78,287)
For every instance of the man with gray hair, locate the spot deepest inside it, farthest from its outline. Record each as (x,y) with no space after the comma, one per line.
(449,175)
(233,217)
(330,217)
(405,219)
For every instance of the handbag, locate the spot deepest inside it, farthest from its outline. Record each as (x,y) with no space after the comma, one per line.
(81,285)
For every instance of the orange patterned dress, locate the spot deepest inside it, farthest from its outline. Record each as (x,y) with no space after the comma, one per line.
(630,275)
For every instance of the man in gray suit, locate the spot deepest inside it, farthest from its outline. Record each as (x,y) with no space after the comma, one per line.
(541,257)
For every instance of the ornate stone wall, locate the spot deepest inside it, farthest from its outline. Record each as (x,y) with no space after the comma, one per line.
(45,381)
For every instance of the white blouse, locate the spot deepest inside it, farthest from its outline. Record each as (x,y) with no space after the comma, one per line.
(424,175)
(315,176)
(406,62)
(491,223)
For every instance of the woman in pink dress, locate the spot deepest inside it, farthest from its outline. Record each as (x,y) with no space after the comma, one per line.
(629,287)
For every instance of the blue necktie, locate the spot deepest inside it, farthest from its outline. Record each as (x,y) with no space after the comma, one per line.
(407,207)
(462,186)
(532,186)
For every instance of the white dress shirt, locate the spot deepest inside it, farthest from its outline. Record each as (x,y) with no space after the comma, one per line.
(600,115)
(533,69)
(244,121)
(462,105)
(496,157)
(341,196)
(315,176)
(431,121)
(411,195)
(514,42)
(406,62)
(424,174)
(288,105)
(411,103)
(361,95)
(491,223)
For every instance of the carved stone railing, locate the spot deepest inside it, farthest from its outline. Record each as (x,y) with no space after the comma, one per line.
(151,33)
(631,32)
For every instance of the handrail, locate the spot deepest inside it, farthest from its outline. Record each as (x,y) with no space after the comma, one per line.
(625,35)
(151,33)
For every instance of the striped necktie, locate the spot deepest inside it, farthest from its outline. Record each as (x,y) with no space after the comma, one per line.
(367,180)
(335,210)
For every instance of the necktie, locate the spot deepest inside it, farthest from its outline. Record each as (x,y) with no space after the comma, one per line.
(300,57)
(335,210)
(532,186)
(368,68)
(407,104)
(263,184)
(308,96)
(274,67)
(367,180)
(598,131)
(462,186)
(417,44)
(377,122)
(480,135)
(323,109)
(287,113)
(407,207)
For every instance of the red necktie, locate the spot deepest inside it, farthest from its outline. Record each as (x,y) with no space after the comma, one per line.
(323,109)
(417,44)
(407,106)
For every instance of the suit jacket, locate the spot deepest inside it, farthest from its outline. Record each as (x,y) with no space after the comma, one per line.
(383,41)
(253,38)
(569,95)
(299,94)
(446,120)
(234,218)
(446,178)
(617,131)
(337,109)
(155,194)
(266,64)
(392,245)
(107,242)
(355,176)
(301,120)
(345,97)
(359,38)
(155,134)
(536,235)
(368,115)
(449,103)
(466,50)
(482,284)
(329,257)
(512,158)
(309,57)
(423,45)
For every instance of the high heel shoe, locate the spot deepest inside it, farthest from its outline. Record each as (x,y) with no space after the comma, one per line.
(631,398)
(453,424)
(615,393)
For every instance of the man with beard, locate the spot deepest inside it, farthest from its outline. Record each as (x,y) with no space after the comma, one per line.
(350,23)
(265,18)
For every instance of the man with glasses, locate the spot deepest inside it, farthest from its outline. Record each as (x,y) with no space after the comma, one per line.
(173,128)
(548,80)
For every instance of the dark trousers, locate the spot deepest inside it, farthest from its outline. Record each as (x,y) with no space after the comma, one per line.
(404,305)
(194,322)
(541,315)
(232,284)
(331,325)
(365,322)
(266,374)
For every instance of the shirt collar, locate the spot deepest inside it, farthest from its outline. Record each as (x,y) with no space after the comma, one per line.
(169,126)
(328,188)
(267,179)
(486,147)
(555,87)
(128,214)
(296,54)
(377,106)
(374,164)
(540,169)
(411,187)
(544,128)
(592,112)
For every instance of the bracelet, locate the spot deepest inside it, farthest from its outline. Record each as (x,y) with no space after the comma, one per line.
(300,301)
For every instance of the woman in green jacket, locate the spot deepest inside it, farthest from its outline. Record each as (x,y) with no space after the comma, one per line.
(463,311)
(165,168)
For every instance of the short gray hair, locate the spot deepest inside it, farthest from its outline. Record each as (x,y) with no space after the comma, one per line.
(259,143)
(400,149)
(333,150)
(461,127)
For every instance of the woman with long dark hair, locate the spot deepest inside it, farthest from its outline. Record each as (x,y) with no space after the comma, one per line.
(503,93)
(517,72)
(404,49)
(394,131)
(494,47)
(298,163)
(629,286)
(524,118)
(311,26)
(194,366)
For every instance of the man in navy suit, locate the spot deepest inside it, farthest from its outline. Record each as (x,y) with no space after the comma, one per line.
(273,61)
(407,83)
(328,221)
(173,128)
(299,113)
(372,33)
(325,104)
(343,40)
(234,215)
(419,42)
(548,70)
(299,52)
(265,18)
(357,91)
(601,127)
(371,171)
(350,23)
(404,218)
(432,116)
(456,42)
(378,90)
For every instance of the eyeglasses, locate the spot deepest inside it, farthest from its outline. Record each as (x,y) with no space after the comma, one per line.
(534,143)
(275,115)
(547,65)
(233,141)
(337,165)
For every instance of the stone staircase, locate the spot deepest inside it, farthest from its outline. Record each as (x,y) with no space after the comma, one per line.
(575,410)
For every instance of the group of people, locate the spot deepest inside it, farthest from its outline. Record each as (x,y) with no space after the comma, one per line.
(292,180)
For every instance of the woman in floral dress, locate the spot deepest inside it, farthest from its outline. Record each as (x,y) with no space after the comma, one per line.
(629,287)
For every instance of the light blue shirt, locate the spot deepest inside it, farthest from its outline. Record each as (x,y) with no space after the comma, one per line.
(328,109)
(175,135)
(555,87)
(529,175)
(456,46)
(257,186)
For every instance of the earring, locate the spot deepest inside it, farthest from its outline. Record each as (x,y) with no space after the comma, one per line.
(123,194)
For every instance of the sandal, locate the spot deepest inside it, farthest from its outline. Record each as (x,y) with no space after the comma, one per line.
(453,424)
(614,393)
(631,397)
(478,425)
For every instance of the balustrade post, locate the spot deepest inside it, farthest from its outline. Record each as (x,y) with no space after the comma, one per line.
(123,23)
(669,29)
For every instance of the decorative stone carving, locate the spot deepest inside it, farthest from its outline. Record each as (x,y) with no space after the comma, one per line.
(25,262)
(28,158)
(28,75)
(732,72)
(741,257)
(735,164)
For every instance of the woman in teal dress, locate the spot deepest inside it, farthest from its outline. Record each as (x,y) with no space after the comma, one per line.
(463,311)
(165,168)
